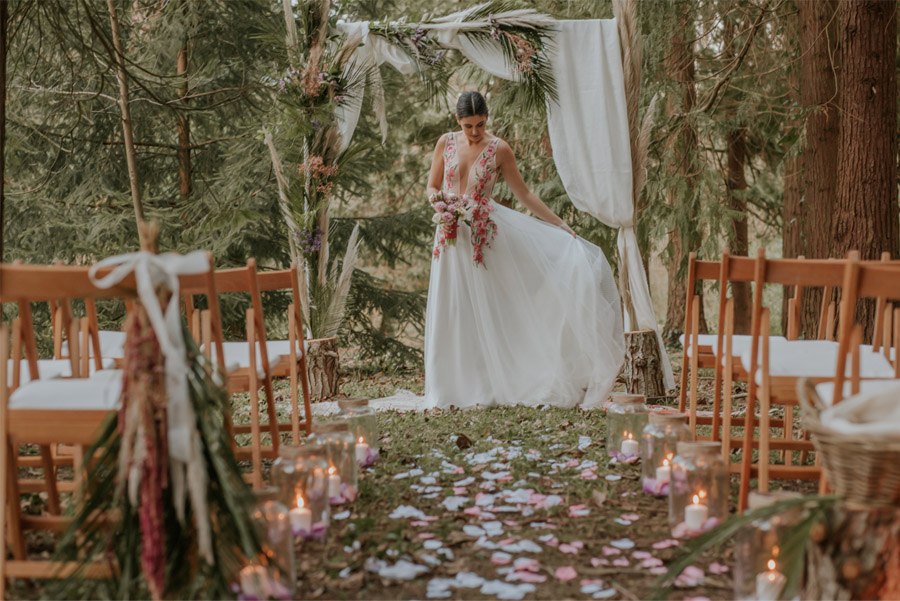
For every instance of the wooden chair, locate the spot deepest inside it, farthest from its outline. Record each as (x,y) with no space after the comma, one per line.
(46,412)
(775,368)
(247,364)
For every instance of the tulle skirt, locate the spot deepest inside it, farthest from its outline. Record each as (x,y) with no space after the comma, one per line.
(539,323)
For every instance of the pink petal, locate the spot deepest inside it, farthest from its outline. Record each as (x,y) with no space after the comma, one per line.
(566,573)
(599,561)
(665,544)
(621,562)
(526,577)
(718,568)
(607,551)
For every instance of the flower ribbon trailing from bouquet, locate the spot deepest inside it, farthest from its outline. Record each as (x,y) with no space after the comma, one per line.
(185,453)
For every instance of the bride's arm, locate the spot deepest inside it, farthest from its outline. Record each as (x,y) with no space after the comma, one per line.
(436,175)
(506,163)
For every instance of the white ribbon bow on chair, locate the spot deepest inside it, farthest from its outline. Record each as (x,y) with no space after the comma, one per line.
(185,454)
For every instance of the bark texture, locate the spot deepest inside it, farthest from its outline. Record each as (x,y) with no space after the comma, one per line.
(184,129)
(808,231)
(643,367)
(683,147)
(857,558)
(322,365)
(866,216)
(4,21)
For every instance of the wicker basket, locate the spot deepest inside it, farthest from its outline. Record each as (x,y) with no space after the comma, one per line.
(858,469)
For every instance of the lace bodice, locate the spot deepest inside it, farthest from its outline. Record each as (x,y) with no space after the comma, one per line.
(482,174)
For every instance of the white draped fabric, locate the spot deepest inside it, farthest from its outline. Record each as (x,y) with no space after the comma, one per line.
(588,129)
(591,148)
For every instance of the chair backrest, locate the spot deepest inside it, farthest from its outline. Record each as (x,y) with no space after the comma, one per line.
(862,280)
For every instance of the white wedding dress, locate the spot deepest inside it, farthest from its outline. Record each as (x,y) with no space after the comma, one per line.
(540,322)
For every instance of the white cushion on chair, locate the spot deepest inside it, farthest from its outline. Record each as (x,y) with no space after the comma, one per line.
(702,340)
(825,390)
(815,359)
(739,343)
(49,369)
(112,344)
(237,354)
(868,347)
(100,392)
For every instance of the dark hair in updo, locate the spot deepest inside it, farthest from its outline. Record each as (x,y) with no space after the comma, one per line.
(471,104)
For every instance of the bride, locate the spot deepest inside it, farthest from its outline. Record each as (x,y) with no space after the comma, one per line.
(520,311)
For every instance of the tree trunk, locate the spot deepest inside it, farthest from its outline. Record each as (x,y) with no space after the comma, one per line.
(322,363)
(858,557)
(738,239)
(866,218)
(643,364)
(683,148)
(4,42)
(128,135)
(184,129)
(736,186)
(819,66)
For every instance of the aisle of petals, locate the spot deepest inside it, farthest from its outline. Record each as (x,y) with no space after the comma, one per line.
(530,507)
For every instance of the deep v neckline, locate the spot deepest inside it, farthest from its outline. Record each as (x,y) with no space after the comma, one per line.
(471,167)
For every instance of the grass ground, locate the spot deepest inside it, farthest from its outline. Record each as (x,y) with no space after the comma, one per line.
(502,503)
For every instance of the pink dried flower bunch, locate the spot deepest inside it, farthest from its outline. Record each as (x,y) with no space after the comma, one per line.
(525,52)
(319,173)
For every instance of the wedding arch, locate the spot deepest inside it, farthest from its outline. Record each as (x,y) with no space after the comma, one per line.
(579,75)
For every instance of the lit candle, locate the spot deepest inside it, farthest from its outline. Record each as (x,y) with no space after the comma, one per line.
(769,583)
(663,473)
(362,451)
(300,516)
(254,582)
(630,447)
(695,514)
(334,483)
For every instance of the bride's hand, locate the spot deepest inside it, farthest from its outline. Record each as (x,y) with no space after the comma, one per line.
(565,226)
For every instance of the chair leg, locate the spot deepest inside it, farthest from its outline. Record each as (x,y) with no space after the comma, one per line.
(272,414)
(729,382)
(295,404)
(13,511)
(255,442)
(695,364)
(49,468)
(787,457)
(765,406)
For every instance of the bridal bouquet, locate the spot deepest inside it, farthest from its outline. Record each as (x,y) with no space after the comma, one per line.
(475,211)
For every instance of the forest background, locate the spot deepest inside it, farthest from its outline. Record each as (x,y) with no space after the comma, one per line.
(775,126)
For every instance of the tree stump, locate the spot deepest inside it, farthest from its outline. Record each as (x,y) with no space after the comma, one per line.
(643,365)
(322,364)
(856,556)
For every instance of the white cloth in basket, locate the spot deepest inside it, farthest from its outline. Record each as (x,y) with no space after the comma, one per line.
(874,414)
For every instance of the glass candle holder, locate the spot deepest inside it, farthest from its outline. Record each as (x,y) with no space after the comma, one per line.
(626,417)
(757,548)
(301,475)
(364,427)
(659,442)
(272,575)
(698,491)
(340,451)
